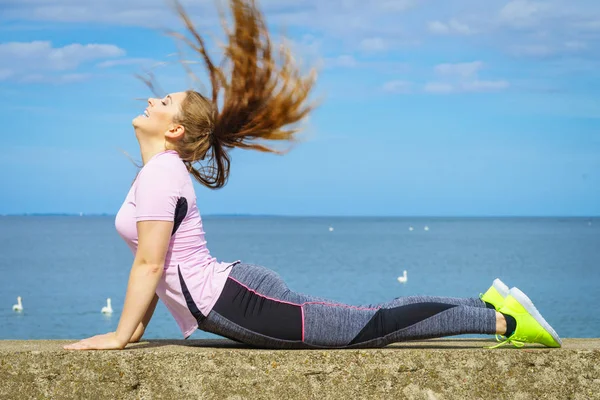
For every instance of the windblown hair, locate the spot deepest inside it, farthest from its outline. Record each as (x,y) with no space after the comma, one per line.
(261,99)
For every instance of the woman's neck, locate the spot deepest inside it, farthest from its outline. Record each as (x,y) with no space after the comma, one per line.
(149,149)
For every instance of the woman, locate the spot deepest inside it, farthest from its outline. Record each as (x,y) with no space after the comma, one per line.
(160,221)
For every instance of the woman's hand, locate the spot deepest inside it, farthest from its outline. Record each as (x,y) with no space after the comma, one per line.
(108,341)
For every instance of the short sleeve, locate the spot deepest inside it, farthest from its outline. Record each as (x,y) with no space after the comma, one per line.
(156,193)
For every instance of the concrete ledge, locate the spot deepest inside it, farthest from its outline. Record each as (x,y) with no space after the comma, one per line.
(221,369)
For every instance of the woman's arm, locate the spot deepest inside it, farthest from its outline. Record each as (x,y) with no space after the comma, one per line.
(147,269)
(139,332)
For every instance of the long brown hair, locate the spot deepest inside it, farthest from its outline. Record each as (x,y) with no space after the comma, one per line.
(261,97)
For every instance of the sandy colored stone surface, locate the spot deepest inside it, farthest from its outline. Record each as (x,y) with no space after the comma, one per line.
(220,369)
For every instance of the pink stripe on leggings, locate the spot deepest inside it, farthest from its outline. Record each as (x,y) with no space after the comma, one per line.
(302,311)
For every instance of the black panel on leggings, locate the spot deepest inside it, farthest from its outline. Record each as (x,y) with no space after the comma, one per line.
(388,320)
(258,314)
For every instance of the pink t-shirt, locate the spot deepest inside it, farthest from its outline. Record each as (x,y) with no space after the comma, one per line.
(154,195)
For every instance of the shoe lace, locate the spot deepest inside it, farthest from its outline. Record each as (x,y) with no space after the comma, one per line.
(516,341)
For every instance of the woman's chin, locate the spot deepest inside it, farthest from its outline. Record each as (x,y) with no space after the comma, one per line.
(138,121)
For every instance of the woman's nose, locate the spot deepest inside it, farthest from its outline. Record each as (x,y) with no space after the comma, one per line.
(150,101)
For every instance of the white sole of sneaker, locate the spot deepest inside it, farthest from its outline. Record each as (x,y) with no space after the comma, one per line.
(500,287)
(528,305)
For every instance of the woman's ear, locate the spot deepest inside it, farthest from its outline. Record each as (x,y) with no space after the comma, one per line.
(175,132)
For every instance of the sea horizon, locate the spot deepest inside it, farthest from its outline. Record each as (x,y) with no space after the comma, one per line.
(243,215)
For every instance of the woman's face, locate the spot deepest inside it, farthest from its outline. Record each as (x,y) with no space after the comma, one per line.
(158,119)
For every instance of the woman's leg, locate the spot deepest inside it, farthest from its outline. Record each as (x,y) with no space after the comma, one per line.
(257,307)
(457,301)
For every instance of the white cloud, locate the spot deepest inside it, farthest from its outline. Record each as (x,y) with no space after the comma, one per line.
(438,87)
(438,27)
(576,45)
(483,86)
(398,5)
(452,27)
(39,61)
(373,44)
(546,50)
(126,61)
(465,87)
(343,61)
(5,74)
(43,55)
(522,13)
(124,12)
(591,25)
(462,78)
(523,28)
(55,79)
(549,28)
(463,70)
(533,26)
(532,50)
(378,66)
(306,50)
(339,17)
(397,86)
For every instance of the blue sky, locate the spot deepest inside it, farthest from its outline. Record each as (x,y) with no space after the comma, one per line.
(458,108)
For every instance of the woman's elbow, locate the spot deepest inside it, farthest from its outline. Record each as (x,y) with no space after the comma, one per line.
(155,269)
(150,268)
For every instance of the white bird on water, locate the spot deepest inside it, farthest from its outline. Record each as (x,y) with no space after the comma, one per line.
(403,278)
(411,229)
(108,309)
(331,229)
(19,306)
(426,228)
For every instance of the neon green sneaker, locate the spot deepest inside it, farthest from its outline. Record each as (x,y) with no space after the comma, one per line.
(531,326)
(495,294)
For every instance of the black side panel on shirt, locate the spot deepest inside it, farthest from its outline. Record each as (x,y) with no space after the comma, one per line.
(181,210)
(259,314)
(189,300)
(388,320)
(180,213)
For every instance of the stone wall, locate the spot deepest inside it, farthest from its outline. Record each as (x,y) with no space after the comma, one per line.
(220,369)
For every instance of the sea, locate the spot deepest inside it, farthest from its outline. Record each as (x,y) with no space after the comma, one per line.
(65,267)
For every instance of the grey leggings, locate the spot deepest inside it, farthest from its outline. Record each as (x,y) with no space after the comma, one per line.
(257,308)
